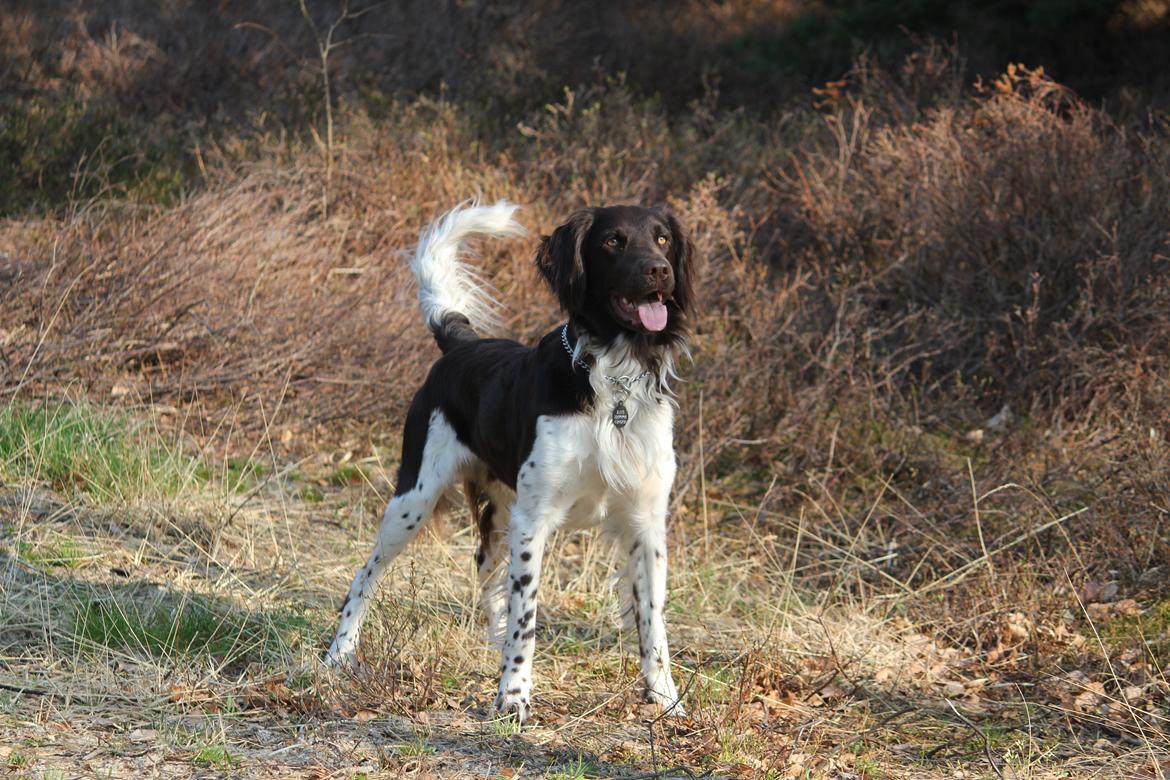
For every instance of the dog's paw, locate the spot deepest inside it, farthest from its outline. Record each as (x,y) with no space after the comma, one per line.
(670,703)
(340,658)
(512,705)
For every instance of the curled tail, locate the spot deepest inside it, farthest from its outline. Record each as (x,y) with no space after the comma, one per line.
(454,300)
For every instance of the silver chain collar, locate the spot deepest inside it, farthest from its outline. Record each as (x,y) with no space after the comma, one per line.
(565,343)
(623,382)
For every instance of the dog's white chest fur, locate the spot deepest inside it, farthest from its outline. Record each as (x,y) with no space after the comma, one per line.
(623,456)
(584,457)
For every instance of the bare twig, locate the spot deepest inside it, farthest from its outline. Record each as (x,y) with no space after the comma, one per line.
(986,742)
(326,45)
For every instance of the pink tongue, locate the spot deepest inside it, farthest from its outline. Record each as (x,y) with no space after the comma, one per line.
(652,315)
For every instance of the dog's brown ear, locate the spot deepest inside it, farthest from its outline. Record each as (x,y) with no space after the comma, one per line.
(559,260)
(683,257)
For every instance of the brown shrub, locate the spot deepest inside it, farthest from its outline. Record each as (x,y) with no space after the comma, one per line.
(1004,236)
(1005,248)
(879,277)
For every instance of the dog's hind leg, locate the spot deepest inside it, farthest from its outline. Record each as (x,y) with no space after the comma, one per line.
(432,460)
(492,518)
(527,534)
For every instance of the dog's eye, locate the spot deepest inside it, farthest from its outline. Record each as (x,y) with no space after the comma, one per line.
(662,241)
(612,242)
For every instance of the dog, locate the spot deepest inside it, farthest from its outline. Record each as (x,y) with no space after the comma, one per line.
(572,432)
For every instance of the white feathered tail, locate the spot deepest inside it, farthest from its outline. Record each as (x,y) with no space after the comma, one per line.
(448,286)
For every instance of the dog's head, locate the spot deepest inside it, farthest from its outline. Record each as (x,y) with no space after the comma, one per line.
(622,269)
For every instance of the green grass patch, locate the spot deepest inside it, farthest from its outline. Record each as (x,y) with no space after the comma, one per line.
(76,447)
(714,686)
(61,551)
(17,761)
(869,768)
(348,474)
(736,747)
(1151,629)
(312,494)
(188,626)
(418,747)
(570,643)
(505,726)
(217,756)
(575,770)
(238,475)
(453,681)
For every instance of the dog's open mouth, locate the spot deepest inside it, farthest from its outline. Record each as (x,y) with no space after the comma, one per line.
(649,313)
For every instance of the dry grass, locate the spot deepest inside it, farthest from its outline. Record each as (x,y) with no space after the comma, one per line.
(878,571)
(782,676)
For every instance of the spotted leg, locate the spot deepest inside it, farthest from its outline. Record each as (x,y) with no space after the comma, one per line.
(526,539)
(644,585)
(438,462)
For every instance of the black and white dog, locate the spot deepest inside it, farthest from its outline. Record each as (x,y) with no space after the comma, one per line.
(572,432)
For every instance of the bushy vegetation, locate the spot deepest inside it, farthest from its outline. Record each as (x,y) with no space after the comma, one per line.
(929,384)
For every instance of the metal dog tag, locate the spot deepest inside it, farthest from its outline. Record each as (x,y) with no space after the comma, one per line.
(620,415)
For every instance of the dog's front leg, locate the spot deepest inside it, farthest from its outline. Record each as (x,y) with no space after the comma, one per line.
(527,534)
(643,534)
(647,570)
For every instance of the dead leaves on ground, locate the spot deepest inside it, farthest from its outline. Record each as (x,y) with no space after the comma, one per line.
(824,715)
(271,694)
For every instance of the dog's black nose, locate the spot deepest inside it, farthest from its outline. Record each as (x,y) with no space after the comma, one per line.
(658,273)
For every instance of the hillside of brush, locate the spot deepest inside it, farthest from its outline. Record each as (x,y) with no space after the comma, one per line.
(922,519)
